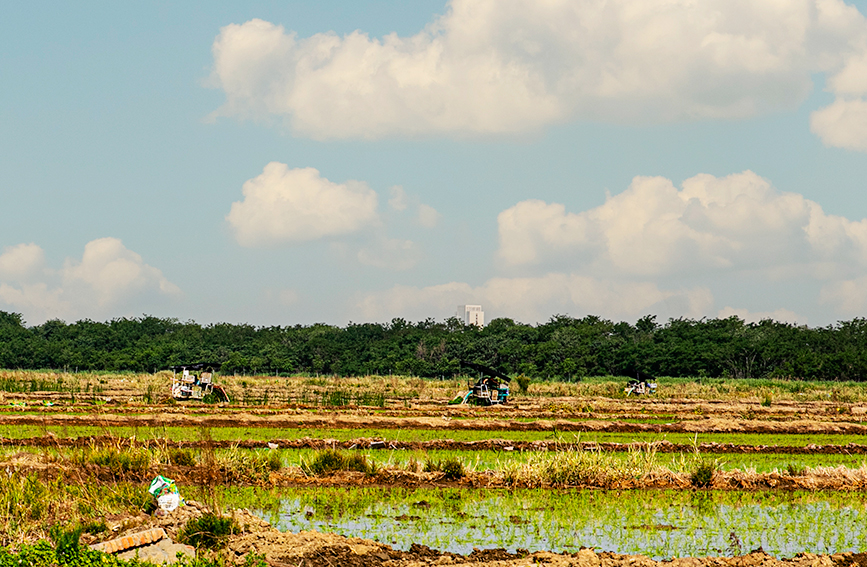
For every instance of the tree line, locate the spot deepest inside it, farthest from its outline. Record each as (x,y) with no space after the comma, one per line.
(563,348)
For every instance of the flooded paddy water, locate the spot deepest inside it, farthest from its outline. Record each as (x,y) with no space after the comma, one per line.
(658,523)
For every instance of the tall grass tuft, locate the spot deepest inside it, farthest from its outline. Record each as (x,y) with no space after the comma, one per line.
(181,457)
(583,467)
(241,465)
(452,468)
(332,460)
(703,473)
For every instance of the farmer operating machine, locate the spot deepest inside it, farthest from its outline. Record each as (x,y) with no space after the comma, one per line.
(640,383)
(491,388)
(196,382)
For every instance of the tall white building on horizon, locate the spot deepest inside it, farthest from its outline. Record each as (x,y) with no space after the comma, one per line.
(471,315)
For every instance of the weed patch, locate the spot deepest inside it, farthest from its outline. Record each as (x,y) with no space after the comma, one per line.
(331,460)
(452,468)
(208,531)
(703,473)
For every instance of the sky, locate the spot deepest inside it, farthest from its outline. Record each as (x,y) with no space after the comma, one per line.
(283,163)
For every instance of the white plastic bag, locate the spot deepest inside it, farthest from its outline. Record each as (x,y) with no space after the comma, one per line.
(169,502)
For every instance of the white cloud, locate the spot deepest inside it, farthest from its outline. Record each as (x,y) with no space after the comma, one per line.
(733,223)
(535,299)
(112,272)
(781,315)
(36,301)
(842,124)
(489,66)
(428,216)
(21,262)
(294,205)
(109,277)
(398,200)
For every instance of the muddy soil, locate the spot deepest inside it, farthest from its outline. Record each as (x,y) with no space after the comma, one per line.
(314,549)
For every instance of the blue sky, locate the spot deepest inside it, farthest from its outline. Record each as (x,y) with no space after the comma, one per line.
(295,162)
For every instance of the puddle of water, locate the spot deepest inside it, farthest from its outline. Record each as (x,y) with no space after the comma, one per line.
(660,524)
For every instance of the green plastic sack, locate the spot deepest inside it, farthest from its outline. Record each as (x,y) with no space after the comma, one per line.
(162,485)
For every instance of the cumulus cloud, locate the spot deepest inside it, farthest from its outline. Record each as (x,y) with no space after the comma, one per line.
(738,222)
(21,262)
(535,299)
(428,216)
(108,277)
(112,272)
(36,301)
(842,124)
(295,205)
(492,66)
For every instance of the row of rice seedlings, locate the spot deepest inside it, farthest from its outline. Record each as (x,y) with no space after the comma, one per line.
(658,523)
(177,433)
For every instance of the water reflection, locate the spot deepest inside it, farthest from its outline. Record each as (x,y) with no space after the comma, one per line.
(660,524)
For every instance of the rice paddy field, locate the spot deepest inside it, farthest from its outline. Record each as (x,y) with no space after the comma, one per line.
(703,468)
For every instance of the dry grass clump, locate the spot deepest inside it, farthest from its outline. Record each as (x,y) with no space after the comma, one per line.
(577,467)
(242,465)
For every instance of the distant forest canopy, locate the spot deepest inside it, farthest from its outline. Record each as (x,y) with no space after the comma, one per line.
(564,348)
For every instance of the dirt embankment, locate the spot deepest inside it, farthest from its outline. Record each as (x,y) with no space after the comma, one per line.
(314,549)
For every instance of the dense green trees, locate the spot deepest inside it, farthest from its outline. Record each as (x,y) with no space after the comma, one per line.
(563,348)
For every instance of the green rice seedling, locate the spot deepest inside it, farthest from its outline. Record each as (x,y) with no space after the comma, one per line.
(209,531)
